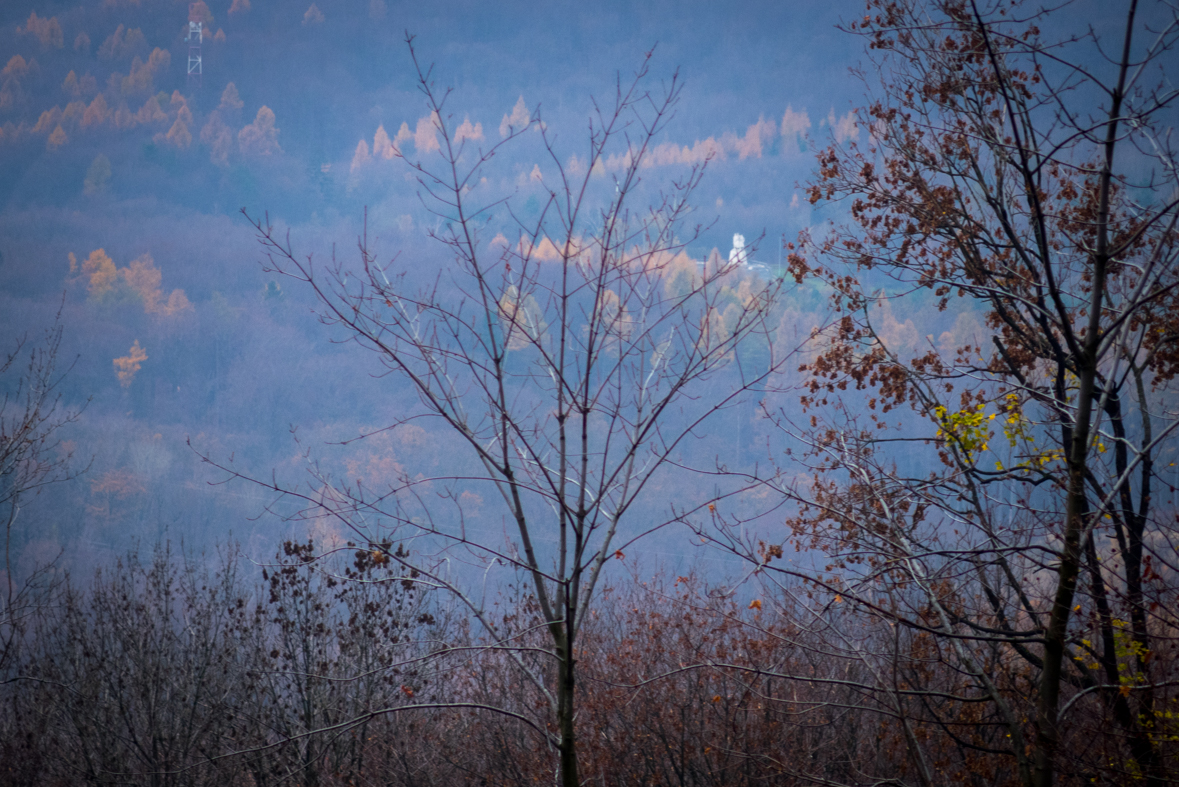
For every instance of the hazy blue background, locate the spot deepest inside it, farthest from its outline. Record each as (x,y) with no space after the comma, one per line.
(126,157)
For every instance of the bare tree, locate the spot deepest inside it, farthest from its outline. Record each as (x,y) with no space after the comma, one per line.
(1026,175)
(328,642)
(571,366)
(32,456)
(134,675)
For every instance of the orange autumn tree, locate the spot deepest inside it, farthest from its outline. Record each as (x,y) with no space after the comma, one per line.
(128,366)
(105,283)
(992,505)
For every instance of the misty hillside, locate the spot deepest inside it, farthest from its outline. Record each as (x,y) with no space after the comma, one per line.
(589,393)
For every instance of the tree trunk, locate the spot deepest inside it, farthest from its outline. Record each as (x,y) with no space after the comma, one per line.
(565,708)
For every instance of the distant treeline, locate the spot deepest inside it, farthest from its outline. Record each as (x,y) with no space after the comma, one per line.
(338,668)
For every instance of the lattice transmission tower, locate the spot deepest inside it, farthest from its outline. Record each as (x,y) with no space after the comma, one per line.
(196,35)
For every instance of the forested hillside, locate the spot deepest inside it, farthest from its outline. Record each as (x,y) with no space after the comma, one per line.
(480,454)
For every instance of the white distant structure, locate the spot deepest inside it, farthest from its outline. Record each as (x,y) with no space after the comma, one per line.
(738,255)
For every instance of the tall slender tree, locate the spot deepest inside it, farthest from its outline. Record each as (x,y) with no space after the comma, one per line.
(571,365)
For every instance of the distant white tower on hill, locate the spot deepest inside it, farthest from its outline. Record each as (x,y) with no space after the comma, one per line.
(196,34)
(738,255)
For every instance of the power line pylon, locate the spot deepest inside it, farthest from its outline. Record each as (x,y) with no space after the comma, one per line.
(196,35)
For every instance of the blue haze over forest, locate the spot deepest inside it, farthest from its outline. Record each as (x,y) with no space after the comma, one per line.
(106,145)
